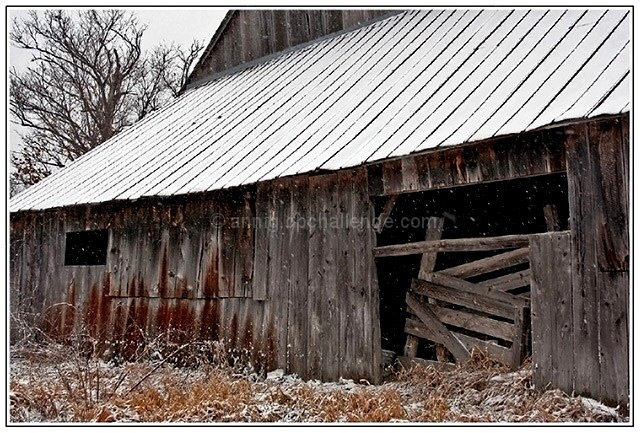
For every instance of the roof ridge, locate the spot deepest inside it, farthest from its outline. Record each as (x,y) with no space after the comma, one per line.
(264,59)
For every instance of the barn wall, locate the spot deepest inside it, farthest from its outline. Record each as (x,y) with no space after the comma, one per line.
(251,34)
(597,167)
(182,266)
(294,294)
(318,255)
(580,279)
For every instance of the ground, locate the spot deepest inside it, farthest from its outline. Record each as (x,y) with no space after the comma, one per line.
(59,384)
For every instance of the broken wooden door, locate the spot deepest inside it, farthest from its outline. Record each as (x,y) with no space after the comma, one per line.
(460,310)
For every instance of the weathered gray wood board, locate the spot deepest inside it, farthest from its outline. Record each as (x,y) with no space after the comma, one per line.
(551,305)
(251,34)
(529,154)
(453,245)
(596,297)
(294,288)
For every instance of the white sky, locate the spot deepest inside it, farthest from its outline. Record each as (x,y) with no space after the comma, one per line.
(163,25)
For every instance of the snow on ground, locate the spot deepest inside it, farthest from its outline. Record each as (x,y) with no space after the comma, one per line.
(57,385)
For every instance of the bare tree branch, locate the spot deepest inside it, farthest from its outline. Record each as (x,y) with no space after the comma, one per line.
(88,80)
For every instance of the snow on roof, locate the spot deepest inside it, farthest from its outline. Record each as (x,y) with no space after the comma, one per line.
(411,82)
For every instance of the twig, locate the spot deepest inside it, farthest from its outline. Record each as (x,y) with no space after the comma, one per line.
(97,380)
(65,382)
(156,368)
(121,377)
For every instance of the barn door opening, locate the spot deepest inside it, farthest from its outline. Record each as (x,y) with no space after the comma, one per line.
(471,288)
(458,314)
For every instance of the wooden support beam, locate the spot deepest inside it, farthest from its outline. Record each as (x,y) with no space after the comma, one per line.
(434,233)
(520,329)
(415,327)
(411,344)
(437,328)
(551,218)
(427,264)
(386,212)
(489,264)
(453,245)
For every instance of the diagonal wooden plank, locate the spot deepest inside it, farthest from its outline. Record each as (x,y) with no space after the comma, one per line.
(495,351)
(386,212)
(474,322)
(509,281)
(477,289)
(473,301)
(437,328)
(489,264)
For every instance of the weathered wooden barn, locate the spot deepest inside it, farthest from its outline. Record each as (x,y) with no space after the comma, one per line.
(333,186)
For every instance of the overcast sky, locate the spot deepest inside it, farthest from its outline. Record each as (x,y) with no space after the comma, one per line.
(163,25)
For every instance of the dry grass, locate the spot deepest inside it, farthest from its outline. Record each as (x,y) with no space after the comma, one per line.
(55,384)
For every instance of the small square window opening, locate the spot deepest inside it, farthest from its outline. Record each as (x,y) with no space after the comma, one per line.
(86,248)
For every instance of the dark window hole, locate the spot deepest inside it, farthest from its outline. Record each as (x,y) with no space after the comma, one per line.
(86,248)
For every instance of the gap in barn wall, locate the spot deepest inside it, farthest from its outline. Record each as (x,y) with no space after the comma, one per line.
(482,210)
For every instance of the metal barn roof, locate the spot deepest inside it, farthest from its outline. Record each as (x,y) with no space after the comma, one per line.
(414,81)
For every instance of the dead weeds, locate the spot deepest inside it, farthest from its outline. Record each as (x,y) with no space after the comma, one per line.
(55,384)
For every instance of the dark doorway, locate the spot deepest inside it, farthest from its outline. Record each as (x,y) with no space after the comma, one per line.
(483,210)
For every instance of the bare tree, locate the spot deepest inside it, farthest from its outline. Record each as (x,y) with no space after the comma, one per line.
(88,80)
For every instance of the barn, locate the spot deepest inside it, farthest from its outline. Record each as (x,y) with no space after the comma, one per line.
(334,190)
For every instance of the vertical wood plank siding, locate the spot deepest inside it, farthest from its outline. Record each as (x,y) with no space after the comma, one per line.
(251,34)
(598,292)
(552,326)
(529,154)
(294,287)
(318,245)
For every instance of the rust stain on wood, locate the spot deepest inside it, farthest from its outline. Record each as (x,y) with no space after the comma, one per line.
(118,324)
(92,312)
(270,349)
(163,279)
(142,289)
(69,310)
(210,320)
(247,338)
(133,337)
(182,321)
(211,287)
(163,317)
(104,306)
(233,332)
(131,287)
